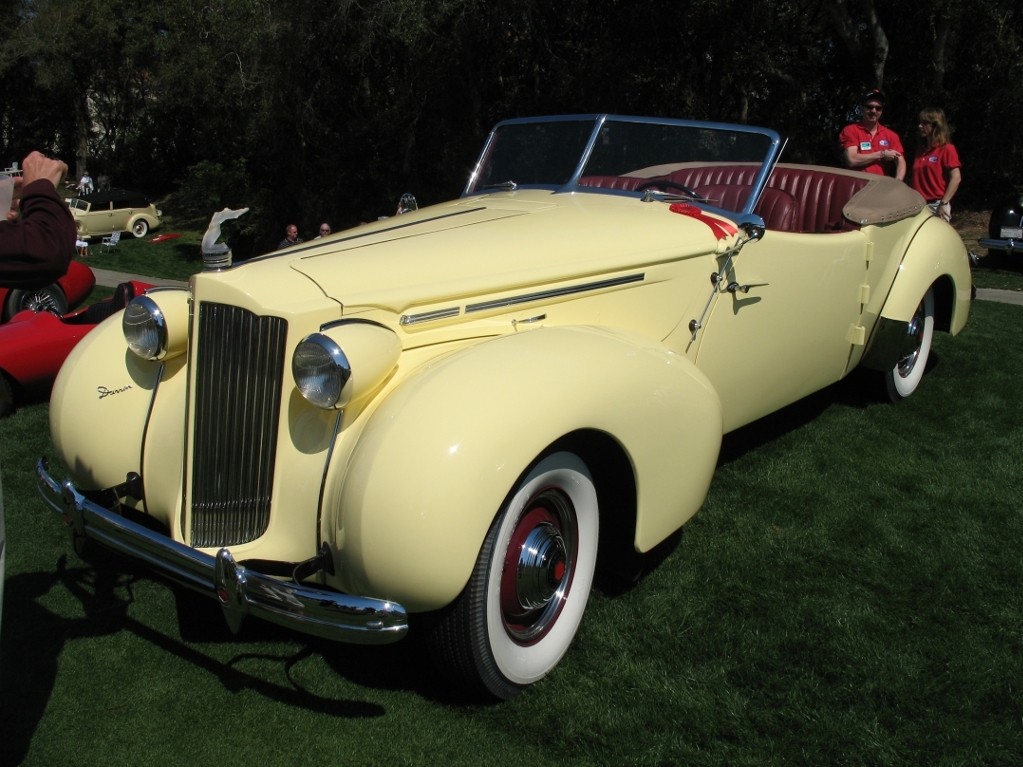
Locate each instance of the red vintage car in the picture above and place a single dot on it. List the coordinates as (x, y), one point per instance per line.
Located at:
(60, 296)
(36, 341)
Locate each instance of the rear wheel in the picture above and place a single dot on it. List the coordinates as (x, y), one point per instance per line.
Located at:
(525, 599)
(904, 378)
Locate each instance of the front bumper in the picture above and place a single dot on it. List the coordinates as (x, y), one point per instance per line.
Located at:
(1010, 246)
(240, 590)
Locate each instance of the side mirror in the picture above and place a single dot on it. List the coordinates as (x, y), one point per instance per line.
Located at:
(753, 227)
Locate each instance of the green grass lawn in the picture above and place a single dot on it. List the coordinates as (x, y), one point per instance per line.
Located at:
(175, 259)
(848, 595)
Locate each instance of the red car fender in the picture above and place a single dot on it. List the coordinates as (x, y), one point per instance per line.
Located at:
(34, 345)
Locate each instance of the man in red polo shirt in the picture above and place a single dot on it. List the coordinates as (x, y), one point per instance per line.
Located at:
(868, 145)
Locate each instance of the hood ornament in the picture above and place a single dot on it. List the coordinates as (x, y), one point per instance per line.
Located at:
(217, 255)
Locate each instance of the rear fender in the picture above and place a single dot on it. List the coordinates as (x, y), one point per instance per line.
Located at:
(937, 259)
(439, 456)
(936, 254)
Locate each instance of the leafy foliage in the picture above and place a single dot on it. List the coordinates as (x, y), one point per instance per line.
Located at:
(335, 110)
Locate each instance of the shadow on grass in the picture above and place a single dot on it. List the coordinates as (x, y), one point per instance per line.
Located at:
(32, 647)
(859, 390)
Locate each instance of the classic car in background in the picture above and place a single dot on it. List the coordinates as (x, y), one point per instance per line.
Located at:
(60, 296)
(35, 343)
(462, 412)
(115, 210)
(1005, 229)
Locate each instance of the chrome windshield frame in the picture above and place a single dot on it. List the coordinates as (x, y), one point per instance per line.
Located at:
(774, 147)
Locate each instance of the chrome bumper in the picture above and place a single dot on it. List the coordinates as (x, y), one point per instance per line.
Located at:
(241, 591)
(1010, 246)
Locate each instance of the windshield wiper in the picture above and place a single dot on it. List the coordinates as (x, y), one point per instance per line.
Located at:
(651, 195)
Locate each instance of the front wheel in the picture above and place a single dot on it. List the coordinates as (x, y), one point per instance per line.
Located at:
(140, 228)
(525, 599)
(904, 378)
(46, 299)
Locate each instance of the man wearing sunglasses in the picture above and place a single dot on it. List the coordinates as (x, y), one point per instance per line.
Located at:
(868, 145)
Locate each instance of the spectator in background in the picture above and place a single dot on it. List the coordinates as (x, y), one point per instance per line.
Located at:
(37, 239)
(85, 185)
(324, 231)
(291, 237)
(936, 167)
(868, 145)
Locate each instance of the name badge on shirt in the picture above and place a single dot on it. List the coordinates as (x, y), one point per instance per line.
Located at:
(865, 146)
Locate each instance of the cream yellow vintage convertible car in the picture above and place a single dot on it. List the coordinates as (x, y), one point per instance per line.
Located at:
(460, 413)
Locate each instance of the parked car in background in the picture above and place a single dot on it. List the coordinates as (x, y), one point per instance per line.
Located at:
(60, 296)
(1005, 229)
(35, 343)
(464, 411)
(114, 210)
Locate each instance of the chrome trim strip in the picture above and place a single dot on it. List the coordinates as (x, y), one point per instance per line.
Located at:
(323, 477)
(240, 590)
(500, 303)
(145, 427)
(554, 293)
(437, 314)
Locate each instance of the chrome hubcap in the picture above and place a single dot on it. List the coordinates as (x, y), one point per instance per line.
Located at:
(538, 566)
(541, 567)
(40, 302)
(911, 348)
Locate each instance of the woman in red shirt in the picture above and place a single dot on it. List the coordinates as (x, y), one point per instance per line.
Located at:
(936, 167)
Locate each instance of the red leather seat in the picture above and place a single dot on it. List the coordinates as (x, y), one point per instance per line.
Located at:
(777, 208)
(797, 198)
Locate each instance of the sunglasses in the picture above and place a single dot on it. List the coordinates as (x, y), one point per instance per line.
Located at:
(872, 108)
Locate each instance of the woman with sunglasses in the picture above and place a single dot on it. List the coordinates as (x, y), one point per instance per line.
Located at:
(868, 145)
(936, 167)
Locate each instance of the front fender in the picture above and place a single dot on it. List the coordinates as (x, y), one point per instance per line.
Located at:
(439, 456)
(102, 409)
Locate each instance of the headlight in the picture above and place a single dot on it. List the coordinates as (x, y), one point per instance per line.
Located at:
(344, 363)
(156, 330)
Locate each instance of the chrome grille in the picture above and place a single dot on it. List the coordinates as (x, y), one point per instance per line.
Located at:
(239, 368)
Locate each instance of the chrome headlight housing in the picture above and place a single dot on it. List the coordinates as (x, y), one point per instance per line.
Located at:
(344, 362)
(157, 328)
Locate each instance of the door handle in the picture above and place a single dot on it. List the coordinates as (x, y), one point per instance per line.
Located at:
(735, 287)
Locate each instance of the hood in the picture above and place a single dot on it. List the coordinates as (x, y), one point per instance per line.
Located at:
(490, 243)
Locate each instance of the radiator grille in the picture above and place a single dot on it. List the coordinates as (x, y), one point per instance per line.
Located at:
(239, 367)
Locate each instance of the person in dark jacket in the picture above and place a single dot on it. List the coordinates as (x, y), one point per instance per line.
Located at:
(37, 239)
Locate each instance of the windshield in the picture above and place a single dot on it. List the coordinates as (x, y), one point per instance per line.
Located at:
(616, 154)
